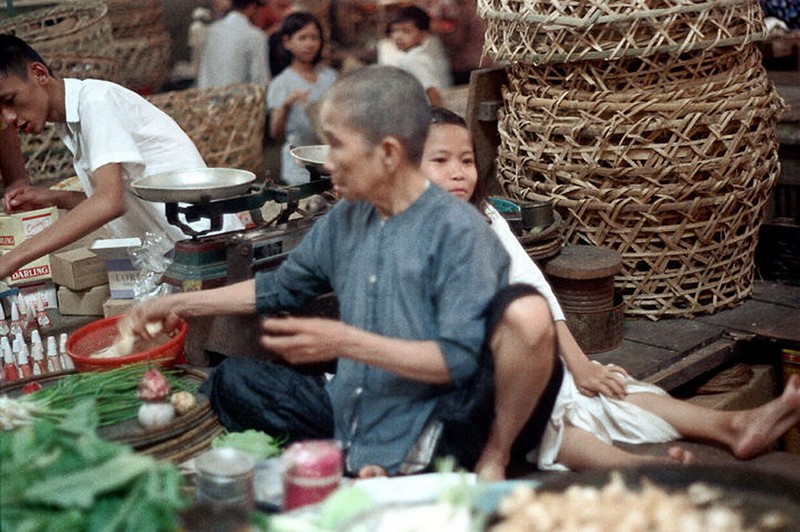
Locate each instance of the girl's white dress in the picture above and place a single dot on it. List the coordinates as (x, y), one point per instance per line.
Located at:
(611, 420)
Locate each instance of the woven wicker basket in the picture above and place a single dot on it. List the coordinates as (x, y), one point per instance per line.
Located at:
(76, 27)
(136, 20)
(544, 31)
(145, 59)
(83, 67)
(46, 157)
(676, 144)
(675, 177)
(225, 123)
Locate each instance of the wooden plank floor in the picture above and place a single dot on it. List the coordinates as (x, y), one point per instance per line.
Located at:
(672, 352)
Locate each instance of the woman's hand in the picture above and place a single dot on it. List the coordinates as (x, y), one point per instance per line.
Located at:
(295, 97)
(593, 379)
(303, 340)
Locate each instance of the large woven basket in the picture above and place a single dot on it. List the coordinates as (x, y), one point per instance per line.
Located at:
(675, 176)
(134, 19)
(83, 67)
(675, 144)
(70, 27)
(145, 59)
(47, 159)
(547, 31)
(225, 123)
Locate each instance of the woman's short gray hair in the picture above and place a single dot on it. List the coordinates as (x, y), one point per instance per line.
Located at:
(382, 101)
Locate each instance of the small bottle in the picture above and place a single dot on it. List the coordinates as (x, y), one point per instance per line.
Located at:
(38, 363)
(4, 328)
(66, 361)
(25, 315)
(53, 360)
(9, 366)
(23, 361)
(42, 320)
(16, 327)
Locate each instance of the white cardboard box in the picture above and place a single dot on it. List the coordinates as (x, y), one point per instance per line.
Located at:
(122, 275)
(14, 229)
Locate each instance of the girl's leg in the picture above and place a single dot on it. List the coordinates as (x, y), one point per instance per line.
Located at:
(523, 347)
(582, 450)
(747, 433)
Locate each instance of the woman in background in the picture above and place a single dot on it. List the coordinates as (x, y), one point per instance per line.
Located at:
(293, 91)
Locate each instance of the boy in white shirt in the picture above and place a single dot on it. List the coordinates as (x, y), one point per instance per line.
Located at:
(417, 52)
(115, 136)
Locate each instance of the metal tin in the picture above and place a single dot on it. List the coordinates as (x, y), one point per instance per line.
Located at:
(225, 476)
(313, 470)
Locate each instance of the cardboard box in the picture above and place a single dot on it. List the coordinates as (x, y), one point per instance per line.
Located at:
(122, 275)
(14, 229)
(112, 306)
(78, 269)
(87, 302)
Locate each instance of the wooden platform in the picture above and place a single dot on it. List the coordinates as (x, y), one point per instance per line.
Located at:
(671, 353)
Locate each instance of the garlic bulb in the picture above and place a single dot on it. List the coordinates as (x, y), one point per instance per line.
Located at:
(154, 415)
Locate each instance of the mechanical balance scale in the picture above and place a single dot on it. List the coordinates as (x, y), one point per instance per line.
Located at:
(206, 260)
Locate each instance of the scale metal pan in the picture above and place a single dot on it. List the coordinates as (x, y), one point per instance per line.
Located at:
(311, 156)
(194, 186)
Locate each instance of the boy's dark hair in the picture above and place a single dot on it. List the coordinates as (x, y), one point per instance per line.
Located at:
(445, 117)
(416, 15)
(16, 55)
(241, 4)
(293, 23)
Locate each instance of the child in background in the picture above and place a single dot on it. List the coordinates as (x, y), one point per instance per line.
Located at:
(416, 51)
(599, 405)
(295, 88)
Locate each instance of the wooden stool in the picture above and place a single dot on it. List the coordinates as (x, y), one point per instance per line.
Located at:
(583, 279)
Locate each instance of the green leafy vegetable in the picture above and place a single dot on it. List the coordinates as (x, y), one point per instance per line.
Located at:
(257, 444)
(63, 477)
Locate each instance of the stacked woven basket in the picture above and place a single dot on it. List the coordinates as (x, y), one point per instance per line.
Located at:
(651, 126)
(141, 43)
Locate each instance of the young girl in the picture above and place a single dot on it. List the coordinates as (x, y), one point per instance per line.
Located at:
(297, 87)
(599, 405)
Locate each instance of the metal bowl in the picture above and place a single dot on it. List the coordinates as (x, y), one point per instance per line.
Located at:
(194, 186)
(310, 156)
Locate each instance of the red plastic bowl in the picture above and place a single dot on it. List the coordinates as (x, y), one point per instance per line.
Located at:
(101, 333)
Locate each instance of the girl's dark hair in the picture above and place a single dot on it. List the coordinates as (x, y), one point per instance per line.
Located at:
(16, 55)
(445, 117)
(293, 23)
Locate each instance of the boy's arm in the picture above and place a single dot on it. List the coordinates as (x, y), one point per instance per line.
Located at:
(106, 204)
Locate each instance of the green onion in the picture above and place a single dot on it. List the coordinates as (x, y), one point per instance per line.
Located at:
(114, 392)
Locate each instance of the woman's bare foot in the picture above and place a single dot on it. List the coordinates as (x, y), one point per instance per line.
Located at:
(372, 471)
(757, 429)
(680, 455)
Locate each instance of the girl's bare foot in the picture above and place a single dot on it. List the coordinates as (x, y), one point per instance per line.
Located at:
(757, 429)
(491, 466)
(372, 471)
